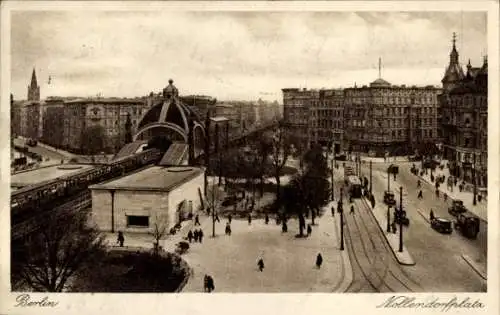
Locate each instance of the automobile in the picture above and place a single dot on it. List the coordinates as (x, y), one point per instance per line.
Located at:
(340, 157)
(442, 225)
(468, 225)
(457, 207)
(389, 198)
(401, 218)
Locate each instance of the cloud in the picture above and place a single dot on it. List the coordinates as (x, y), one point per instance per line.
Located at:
(234, 54)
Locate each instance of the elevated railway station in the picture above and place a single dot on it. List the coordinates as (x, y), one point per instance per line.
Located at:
(170, 134)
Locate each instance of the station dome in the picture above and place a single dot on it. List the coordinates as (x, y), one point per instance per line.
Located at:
(170, 117)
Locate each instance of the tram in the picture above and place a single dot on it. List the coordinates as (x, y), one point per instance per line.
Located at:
(354, 186)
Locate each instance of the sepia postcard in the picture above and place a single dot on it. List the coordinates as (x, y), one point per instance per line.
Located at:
(257, 157)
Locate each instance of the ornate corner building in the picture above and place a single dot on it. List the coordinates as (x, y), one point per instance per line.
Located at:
(464, 119)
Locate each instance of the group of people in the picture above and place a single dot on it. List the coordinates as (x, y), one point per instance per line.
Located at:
(197, 236)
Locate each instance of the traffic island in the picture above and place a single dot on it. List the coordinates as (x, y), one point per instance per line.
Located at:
(380, 214)
(347, 273)
(480, 270)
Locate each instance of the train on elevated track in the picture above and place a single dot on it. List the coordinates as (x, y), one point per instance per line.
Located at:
(50, 193)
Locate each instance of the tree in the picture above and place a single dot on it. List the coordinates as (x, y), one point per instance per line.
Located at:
(128, 129)
(159, 231)
(281, 143)
(93, 140)
(263, 151)
(214, 200)
(309, 190)
(49, 258)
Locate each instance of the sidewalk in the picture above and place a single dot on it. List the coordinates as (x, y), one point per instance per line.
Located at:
(231, 260)
(480, 209)
(380, 214)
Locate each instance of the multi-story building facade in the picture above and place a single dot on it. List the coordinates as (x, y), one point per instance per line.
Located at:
(327, 119)
(384, 118)
(464, 122)
(110, 114)
(296, 111)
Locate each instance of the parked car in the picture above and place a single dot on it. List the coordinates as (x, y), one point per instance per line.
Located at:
(389, 198)
(442, 225)
(340, 157)
(457, 207)
(401, 218)
(468, 224)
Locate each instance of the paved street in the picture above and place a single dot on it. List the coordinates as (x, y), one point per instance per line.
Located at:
(439, 262)
(53, 155)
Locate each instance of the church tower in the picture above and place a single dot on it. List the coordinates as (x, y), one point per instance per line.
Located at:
(33, 88)
(454, 73)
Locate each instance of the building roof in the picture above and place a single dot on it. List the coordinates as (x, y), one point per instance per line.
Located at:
(380, 83)
(154, 178)
(108, 100)
(43, 174)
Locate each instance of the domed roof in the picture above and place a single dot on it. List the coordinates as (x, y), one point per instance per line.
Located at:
(170, 111)
(380, 83)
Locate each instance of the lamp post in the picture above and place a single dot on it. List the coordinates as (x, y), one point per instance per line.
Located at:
(370, 177)
(474, 201)
(388, 219)
(333, 190)
(401, 219)
(341, 219)
(388, 180)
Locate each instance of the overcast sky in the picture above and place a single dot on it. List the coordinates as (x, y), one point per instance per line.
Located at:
(234, 55)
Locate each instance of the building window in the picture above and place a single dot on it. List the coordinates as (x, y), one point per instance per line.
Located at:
(137, 220)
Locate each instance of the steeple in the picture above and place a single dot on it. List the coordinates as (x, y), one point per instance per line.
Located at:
(454, 53)
(33, 88)
(454, 72)
(379, 68)
(33, 78)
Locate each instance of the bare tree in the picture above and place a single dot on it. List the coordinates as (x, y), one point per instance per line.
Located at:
(160, 226)
(49, 258)
(214, 200)
(281, 148)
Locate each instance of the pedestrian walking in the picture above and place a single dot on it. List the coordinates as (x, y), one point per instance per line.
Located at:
(333, 211)
(394, 227)
(217, 217)
(418, 183)
(200, 235)
(228, 229)
(249, 218)
(210, 284)
(319, 260)
(432, 215)
(309, 230)
(190, 236)
(437, 192)
(284, 227)
(266, 219)
(260, 264)
(120, 239)
(229, 218)
(197, 220)
(196, 236)
(352, 209)
(420, 196)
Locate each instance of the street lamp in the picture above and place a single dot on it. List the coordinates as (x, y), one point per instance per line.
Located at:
(370, 177)
(333, 190)
(401, 219)
(388, 218)
(341, 219)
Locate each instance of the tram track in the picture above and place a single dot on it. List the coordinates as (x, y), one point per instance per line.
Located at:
(373, 259)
